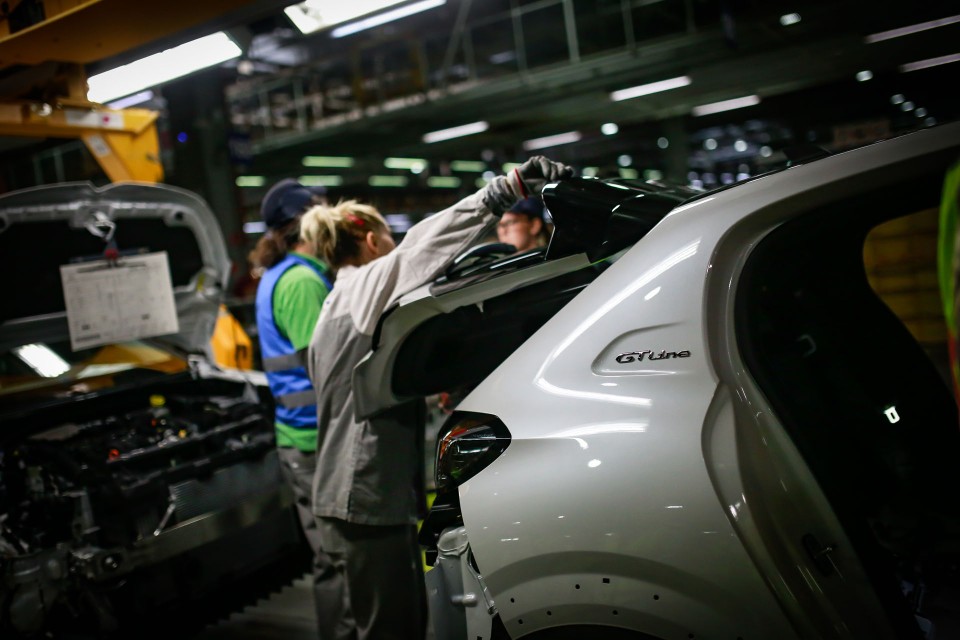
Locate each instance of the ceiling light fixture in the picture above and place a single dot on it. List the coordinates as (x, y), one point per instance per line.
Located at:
(383, 18)
(320, 181)
(469, 166)
(863, 76)
(130, 101)
(609, 128)
(314, 15)
(647, 89)
(443, 182)
(257, 226)
(725, 105)
(162, 67)
(411, 164)
(788, 19)
(915, 28)
(929, 62)
(456, 132)
(551, 141)
(328, 162)
(387, 181)
(251, 181)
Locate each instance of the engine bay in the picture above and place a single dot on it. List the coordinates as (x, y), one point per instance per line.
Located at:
(108, 517)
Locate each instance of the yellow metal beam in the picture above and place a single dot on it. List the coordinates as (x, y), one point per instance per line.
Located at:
(86, 31)
(124, 143)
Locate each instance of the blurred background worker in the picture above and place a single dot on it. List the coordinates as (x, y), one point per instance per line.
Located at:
(522, 225)
(948, 264)
(368, 485)
(291, 292)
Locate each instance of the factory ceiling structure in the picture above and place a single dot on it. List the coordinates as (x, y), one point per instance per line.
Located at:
(457, 87)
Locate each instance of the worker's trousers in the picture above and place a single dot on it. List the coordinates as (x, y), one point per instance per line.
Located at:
(382, 570)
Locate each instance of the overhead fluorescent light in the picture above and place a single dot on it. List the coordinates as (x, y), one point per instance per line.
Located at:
(257, 226)
(162, 67)
(415, 165)
(303, 19)
(788, 19)
(129, 101)
(915, 28)
(443, 182)
(647, 89)
(328, 162)
(509, 166)
(42, 359)
(725, 105)
(551, 141)
(471, 166)
(456, 132)
(628, 174)
(398, 222)
(387, 181)
(251, 181)
(929, 62)
(314, 15)
(320, 181)
(503, 57)
(387, 16)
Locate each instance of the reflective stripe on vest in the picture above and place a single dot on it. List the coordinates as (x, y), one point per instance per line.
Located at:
(289, 361)
(298, 399)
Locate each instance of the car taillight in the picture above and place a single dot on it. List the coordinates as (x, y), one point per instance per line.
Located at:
(467, 443)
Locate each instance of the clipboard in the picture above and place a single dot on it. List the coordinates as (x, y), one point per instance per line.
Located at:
(110, 300)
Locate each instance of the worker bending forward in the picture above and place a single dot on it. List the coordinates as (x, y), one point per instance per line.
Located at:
(365, 486)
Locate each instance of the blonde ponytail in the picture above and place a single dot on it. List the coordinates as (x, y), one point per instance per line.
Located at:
(336, 232)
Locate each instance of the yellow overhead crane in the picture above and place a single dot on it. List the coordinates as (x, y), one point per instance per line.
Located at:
(43, 93)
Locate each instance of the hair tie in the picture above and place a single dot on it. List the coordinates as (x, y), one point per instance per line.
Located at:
(354, 219)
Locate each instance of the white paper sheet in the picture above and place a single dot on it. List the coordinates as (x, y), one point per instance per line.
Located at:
(128, 301)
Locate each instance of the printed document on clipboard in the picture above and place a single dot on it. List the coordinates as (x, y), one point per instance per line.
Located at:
(116, 302)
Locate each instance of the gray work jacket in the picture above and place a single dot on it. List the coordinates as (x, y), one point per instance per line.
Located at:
(366, 469)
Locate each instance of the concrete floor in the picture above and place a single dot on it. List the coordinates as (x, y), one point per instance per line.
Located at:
(288, 615)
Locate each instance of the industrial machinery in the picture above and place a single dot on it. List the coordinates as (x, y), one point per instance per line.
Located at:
(140, 490)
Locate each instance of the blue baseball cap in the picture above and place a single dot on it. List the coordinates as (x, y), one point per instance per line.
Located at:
(531, 206)
(286, 200)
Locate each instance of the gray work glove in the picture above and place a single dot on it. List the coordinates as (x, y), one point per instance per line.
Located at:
(526, 180)
(538, 171)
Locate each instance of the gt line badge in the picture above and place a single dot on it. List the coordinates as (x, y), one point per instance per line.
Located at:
(638, 356)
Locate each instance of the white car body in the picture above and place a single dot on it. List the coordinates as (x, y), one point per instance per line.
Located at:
(664, 498)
